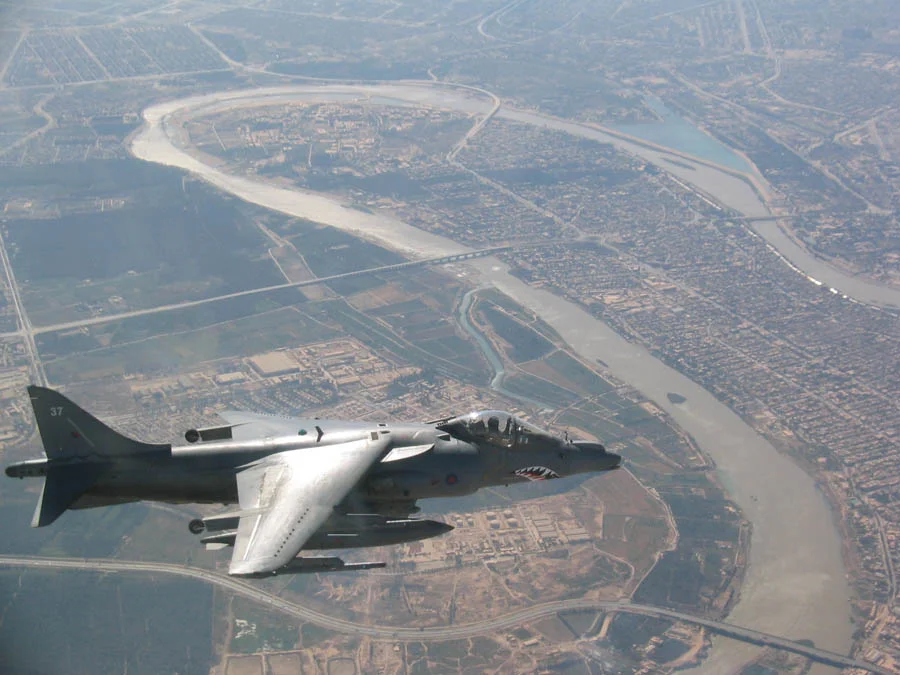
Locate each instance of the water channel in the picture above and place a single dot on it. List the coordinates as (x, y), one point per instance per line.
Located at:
(795, 584)
(487, 349)
(736, 191)
(675, 132)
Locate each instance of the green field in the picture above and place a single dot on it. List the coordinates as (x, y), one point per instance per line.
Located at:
(376, 335)
(92, 533)
(56, 344)
(83, 623)
(257, 629)
(524, 343)
(512, 307)
(163, 240)
(576, 373)
(329, 251)
(533, 387)
(178, 351)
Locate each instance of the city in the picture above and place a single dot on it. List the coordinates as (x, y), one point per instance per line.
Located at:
(716, 184)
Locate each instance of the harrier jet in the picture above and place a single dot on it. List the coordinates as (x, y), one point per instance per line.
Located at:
(300, 484)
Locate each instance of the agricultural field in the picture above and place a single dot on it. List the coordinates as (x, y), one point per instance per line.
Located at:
(95, 54)
(129, 618)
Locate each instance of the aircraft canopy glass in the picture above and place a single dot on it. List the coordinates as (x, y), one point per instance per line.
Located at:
(494, 427)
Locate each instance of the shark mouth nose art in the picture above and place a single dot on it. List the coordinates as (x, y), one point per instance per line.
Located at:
(536, 473)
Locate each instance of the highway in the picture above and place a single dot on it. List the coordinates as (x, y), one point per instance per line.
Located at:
(38, 376)
(31, 331)
(461, 631)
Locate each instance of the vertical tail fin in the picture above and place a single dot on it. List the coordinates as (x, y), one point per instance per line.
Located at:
(68, 432)
(79, 447)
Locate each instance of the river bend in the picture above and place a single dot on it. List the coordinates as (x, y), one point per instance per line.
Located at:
(795, 584)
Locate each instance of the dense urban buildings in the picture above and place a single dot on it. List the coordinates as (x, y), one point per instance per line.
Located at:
(716, 183)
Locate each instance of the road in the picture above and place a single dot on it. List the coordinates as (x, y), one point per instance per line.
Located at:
(496, 15)
(49, 123)
(30, 331)
(477, 127)
(786, 585)
(38, 376)
(461, 631)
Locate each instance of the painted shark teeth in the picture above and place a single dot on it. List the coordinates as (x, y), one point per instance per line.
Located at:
(536, 473)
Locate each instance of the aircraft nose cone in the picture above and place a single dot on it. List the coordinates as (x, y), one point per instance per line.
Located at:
(594, 457)
(443, 528)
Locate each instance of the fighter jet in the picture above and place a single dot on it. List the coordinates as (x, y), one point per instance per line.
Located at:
(300, 484)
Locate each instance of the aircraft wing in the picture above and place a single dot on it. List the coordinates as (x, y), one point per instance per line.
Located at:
(247, 426)
(286, 497)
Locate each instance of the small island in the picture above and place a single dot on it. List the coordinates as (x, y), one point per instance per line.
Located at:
(677, 399)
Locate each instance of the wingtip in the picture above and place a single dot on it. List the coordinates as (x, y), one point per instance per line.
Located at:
(248, 568)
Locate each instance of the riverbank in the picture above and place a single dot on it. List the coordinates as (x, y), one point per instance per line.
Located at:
(795, 583)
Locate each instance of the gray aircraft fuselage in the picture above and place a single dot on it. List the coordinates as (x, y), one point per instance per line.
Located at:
(89, 465)
(204, 472)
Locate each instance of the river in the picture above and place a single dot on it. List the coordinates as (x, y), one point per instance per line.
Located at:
(736, 191)
(795, 584)
(487, 349)
(675, 132)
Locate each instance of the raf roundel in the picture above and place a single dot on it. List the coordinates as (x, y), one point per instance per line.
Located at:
(451, 479)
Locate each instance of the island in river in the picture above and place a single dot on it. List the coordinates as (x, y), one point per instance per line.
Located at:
(790, 589)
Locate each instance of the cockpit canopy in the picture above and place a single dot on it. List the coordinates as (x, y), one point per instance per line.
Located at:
(494, 427)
